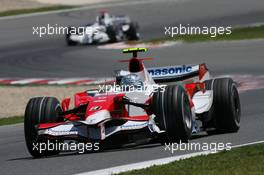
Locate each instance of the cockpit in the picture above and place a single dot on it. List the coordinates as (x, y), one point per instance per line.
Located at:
(103, 18)
(131, 81)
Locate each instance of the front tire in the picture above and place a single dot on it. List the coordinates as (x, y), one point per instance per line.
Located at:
(40, 110)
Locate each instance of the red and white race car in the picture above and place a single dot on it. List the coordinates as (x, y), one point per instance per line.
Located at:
(164, 104)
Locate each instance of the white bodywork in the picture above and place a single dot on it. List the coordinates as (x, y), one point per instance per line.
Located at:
(203, 101)
(94, 33)
(97, 32)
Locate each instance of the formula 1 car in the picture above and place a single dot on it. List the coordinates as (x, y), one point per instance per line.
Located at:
(162, 104)
(106, 29)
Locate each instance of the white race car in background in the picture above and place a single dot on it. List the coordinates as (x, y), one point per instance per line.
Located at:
(106, 29)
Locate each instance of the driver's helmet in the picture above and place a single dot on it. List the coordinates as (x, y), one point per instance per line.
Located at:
(131, 80)
(102, 18)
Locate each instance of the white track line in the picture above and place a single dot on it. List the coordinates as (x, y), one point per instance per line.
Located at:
(162, 161)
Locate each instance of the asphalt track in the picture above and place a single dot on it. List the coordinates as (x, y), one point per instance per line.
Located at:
(24, 55)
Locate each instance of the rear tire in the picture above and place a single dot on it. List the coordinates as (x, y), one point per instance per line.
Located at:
(225, 109)
(173, 114)
(111, 34)
(132, 33)
(40, 110)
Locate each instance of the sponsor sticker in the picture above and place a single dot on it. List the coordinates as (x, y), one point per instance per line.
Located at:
(172, 71)
(95, 108)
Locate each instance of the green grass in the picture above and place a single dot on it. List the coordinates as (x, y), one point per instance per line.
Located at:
(239, 161)
(11, 120)
(34, 10)
(237, 34)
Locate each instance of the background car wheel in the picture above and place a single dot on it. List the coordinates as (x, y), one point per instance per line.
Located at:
(111, 34)
(69, 42)
(173, 114)
(225, 111)
(40, 110)
(132, 33)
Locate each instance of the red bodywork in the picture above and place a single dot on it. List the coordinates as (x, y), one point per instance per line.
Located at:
(112, 102)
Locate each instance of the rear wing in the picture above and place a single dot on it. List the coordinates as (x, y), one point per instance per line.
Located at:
(195, 73)
(179, 73)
